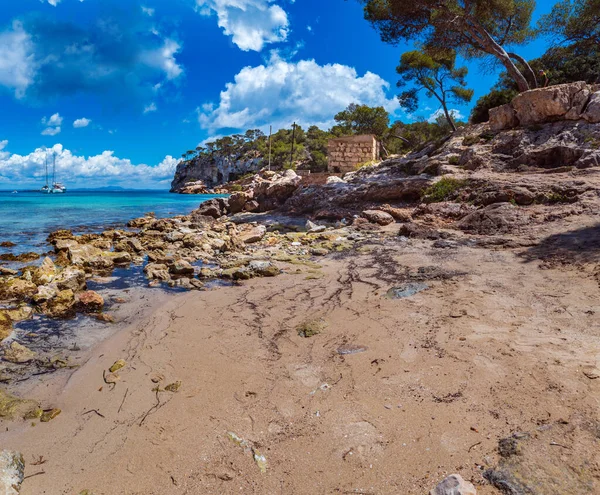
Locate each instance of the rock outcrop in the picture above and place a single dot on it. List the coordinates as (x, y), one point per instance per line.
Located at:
(206, 172)
(573, 101)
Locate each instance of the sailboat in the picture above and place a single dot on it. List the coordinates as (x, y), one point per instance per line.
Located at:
(57, 187)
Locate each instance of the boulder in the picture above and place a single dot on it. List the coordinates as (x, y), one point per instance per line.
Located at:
(214, 208)
(90, 301)
(454, 485)
(64, 244)
(313, 228)
(16, 288)
(503, 117)
(377, 216)
(5, 325)
(264, 268)
(18, 354)
(157, 271)
(181, 267)
(62, 305)
(117, 258)
(8, 271)
(251, 234)
(592, 111)
(398, 214)
(561, 102)
(238, 200)
(138, 223)
(45, 273)
(45, 293)
(12, 472)
(70, 278)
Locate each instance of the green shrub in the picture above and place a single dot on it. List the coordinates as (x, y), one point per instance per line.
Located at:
(236, 188)
(443, 189)
(454, 160)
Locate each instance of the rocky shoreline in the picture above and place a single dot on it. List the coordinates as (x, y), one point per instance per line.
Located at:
(469, 227)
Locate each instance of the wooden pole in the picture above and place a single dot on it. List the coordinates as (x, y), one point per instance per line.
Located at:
(270, 131)
(293, 138)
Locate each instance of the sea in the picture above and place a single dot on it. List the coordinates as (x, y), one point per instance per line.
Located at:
(26, 218)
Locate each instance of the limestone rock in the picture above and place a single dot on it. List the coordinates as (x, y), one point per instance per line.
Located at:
(5, 325)
(12, 472)
(90, 301)
(499, 218)
(503, 117)
(564, 101)
(18, 354)
(214, 208)
(238, 200)
(12, 407)
(61, 306)
(251, 234)
(8, 271)
(454, 485)
(592, 112)
(45, 293)
(70, 278)
(45, 273)
(16, 288)
(157, 271)
(264, 268)
(181, 267)
(379, 217)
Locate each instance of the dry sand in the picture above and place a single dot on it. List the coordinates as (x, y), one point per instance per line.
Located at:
(498, 344)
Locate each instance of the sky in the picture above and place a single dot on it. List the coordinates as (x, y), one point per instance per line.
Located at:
(117, 90)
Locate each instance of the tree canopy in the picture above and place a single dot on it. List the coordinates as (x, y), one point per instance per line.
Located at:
(362, 119)
(574, 21)
(474, 28)
(435, 73)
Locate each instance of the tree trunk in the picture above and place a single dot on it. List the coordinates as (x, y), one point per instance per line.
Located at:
(489, 45)
(521, 60)
(448, 117)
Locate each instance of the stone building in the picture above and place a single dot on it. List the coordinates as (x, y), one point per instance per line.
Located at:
(345, 153)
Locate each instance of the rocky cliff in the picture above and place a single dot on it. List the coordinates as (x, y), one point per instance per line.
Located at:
(213, 170)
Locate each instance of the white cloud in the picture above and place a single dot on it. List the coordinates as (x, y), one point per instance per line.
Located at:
(281, 92)
(456, 114)
(54, 3)
(54, 120)
(163, 58)
(148, 11)
(101, 169)
(52, 125)
(81, 123)
(51, 131)
(150, 108)
(251, 23)
(17, 64)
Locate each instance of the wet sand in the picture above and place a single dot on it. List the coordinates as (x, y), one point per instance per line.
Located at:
(390, 397)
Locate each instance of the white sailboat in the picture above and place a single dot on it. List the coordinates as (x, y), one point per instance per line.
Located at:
(57, 187)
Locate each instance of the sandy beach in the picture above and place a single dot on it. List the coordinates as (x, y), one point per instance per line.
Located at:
(391, 396)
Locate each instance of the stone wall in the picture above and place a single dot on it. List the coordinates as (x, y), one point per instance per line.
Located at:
(344, 154)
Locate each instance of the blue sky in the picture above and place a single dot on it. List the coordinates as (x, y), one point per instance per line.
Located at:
(119, 89)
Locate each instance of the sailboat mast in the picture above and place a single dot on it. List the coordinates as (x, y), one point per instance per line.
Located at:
(46, 161)
(53, 169)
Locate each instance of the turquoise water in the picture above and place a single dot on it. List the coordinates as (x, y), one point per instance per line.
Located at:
(26, 218)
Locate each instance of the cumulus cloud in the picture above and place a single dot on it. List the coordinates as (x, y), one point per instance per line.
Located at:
(72, 169)
(54, 3)
(251, 23)
(52, 125)
(81, 123)
(125, 55)
(281, 92)
(17, 64)
(148, 11)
